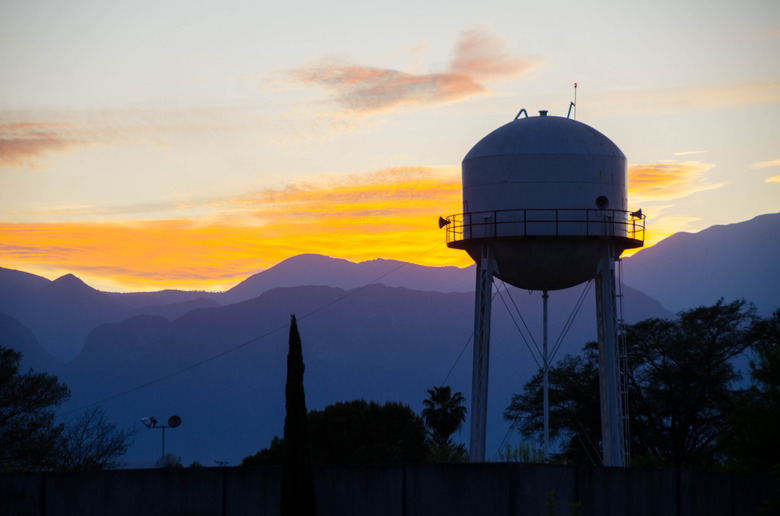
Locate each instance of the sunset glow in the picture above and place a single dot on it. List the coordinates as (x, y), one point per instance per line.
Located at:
(195, 147)
(391, 214)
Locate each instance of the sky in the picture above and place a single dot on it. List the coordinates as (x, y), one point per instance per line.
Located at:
(189, 144)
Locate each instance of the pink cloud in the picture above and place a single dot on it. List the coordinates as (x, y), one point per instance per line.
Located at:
(479, 57)
(22, 142)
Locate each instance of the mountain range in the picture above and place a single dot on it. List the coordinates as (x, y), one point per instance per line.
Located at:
(380, 330)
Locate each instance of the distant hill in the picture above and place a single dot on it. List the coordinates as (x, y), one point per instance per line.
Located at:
(16, 336)
(682, 271)
(732, 261)
(314, 269)
(59, 313)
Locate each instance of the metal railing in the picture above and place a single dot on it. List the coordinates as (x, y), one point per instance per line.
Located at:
(626, 226)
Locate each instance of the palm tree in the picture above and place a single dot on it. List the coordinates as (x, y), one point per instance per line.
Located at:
(444, 413)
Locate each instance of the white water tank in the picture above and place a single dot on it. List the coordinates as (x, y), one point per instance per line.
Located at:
(549, 195)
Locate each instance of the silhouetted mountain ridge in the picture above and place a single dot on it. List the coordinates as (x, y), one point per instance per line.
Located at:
(695, 269)
(375, 342)
(314, 269)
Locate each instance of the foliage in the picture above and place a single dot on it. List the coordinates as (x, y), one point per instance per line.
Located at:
(752, 441)
(549, 503)
(361, 432)
(358, 432)
(28, 432)
(298, 497)
(448, 452)
(169, 460)
(574, 407)
(91, 442)
(31, 440)
(274, 454)
(443, 413)
(682, 375)
(681, 390)
(522, 452)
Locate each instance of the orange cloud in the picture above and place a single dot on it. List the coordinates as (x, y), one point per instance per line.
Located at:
(389, 214)
(773, 179)
(666, 181)
(479, 57)
(766, 164)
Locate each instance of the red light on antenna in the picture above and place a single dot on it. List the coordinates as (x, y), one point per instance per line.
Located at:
(575, 84)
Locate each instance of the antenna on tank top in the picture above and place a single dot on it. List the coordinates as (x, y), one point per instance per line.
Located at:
(573, 104)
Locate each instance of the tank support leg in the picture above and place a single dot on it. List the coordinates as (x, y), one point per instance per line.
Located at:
(611, 413)
(545, 379)
(479, 375)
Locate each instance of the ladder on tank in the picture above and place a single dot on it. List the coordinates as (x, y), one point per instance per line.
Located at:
(623, 361)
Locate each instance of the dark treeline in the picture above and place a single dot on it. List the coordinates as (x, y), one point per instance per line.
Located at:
(31, 439)
(689, 407)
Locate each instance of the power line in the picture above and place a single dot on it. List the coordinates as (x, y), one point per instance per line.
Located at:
(246, 343)
(571, 318)
(511, 315)
(530, 335)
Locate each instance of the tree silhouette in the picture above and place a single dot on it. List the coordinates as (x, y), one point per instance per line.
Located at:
(298, 497)
(444, 413)
(752, 440)
(91, 442)
(357, 432)
(29, 436)
(681, 390)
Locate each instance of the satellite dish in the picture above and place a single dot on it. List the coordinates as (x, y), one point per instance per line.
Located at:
(174, 421)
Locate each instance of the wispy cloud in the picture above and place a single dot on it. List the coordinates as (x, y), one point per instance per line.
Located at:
(688, 153)
(667, 181)
(23, 143)
(656, 186)
(767, 164)
(479, 57)
(29, 138)
(690, 97)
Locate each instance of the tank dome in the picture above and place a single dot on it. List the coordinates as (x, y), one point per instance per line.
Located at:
(544, 162)
(548, 193)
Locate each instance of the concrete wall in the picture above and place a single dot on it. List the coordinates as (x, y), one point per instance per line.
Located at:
(392, 490)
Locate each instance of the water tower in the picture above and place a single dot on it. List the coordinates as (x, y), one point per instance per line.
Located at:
(545, 208)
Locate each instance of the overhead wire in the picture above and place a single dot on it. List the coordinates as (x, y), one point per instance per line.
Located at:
(511, 315)
(558, 342)
(570, 320)
(521, 319)
(245, 343)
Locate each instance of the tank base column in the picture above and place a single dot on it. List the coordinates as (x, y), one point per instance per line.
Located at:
(479, 375)
(611, 413)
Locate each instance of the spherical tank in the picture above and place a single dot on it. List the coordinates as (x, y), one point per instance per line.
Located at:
(549, 195)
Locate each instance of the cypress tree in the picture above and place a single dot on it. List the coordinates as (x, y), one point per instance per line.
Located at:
(297, 474)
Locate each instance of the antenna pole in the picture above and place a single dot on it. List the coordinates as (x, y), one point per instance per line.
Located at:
(575, 101)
